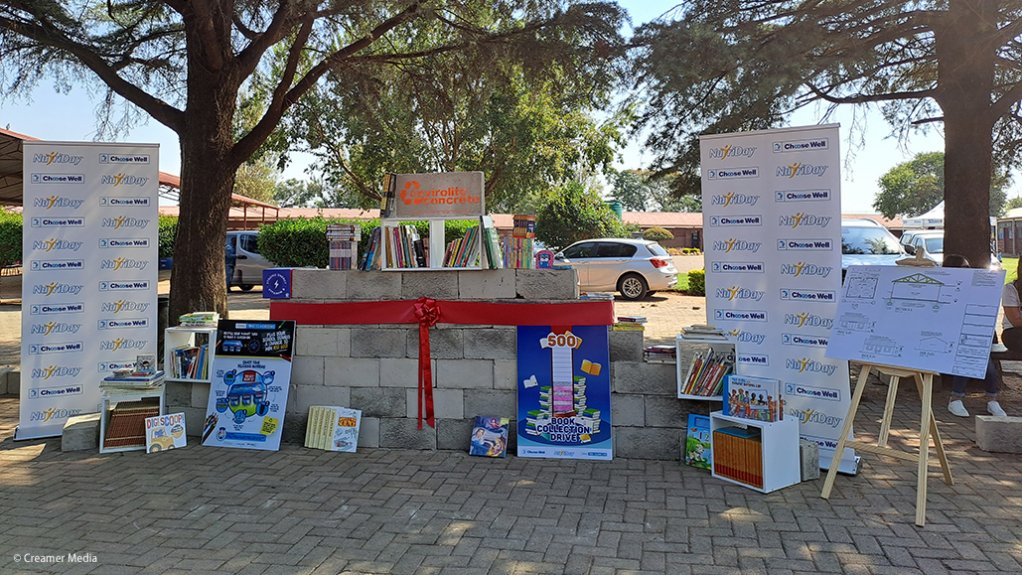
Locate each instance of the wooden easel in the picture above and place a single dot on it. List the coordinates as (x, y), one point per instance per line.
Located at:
(927, 426)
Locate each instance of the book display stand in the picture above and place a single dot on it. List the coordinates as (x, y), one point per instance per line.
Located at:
(124, 406)
(927, 427)
(760, 455)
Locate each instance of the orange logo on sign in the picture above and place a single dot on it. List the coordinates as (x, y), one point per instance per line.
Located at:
(413, 193)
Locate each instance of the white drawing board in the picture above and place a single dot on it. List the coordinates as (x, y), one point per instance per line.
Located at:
(929, 319)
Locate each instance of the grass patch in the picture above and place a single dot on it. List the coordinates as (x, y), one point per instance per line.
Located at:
(682, 285)
(1011, 266)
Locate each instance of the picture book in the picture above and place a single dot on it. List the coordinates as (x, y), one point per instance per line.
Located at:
(757, 398)
(333, 428)
(697, 444)
(165, 432)
(145, 364)
(489, 436)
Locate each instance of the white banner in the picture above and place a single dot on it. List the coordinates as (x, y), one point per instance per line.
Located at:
(772, 228)
(89, 254)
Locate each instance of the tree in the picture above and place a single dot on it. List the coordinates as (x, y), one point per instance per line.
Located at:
(522, 118)
(185, 63)
(575, 212)
(640, 190)
(728, 65)
(1013, 203)
(256, 179)
(917, 186)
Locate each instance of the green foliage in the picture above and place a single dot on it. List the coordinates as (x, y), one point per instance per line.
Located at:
(10, 238)
(574, 212)
(656, 233)
(1010, 266)
(168, 235)
(697, 282)
(691, 251)
(1012, 203)
(917, 186)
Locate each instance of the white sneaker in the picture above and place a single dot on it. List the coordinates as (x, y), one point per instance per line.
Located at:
(994, 408)
(956, 407)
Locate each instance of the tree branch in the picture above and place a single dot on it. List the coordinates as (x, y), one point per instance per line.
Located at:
(249, 58)
(212, 50)
(868, 98)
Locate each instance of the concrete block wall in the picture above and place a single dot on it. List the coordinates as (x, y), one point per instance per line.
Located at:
(375, 367)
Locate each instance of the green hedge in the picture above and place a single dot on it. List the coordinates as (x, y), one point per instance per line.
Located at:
(656, 234)
(168, 235)
(10, 238)
(301, 242)
(697, 282)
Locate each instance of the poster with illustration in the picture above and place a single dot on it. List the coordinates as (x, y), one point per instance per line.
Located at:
(250, 379)
(165, 432)
(564, 392)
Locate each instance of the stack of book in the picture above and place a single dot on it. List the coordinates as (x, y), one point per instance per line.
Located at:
(660, 353)
(629, 323)
(738, 455)
(127, 423)
(518, 249)
(491, 243)
(405, 249)
(333, 428)
(706, 373)
(464, 251)
(342, 240)
(190, 362)
(199, 319)
(132, 380)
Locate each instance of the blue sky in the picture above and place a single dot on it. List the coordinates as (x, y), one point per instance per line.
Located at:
(71, 117)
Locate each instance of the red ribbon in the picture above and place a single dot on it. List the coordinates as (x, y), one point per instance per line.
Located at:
(428, 312)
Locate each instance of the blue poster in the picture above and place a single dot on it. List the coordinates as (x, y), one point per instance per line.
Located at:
(564, 392)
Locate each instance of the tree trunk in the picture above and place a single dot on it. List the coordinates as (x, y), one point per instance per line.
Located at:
(965, 83)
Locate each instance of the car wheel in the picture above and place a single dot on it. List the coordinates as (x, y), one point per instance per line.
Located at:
(632, 287)
(246, 287)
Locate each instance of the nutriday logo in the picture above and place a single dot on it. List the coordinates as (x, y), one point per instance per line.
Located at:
(808, 320)
(54, 201)
(804, 220)
(124, 305)
(733, 199)
(803, 269)
(809, 366)
(798, 169)
(121, 179)
(58, 244)
(55, 328)
(56, 288)
(735, 245)
(732, 151)
(125, 222)
(122, 343)
(739, 293)
(52, 158)
(746, 336)
(54, 371)
(122, 263)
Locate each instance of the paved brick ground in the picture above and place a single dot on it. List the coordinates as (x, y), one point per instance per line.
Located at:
(205, 510)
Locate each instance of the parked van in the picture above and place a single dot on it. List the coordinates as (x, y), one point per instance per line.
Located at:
(248, 270)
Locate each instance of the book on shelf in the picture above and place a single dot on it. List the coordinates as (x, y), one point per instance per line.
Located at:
(756, 398)
(698, 452)
(518, 253)
(489, 436)
(707, 372)
(333, 428)
(342, 242)
(389, 195)
(190, 362)
(464, 251)
(199, 319)
(738, 455)
(491, 243)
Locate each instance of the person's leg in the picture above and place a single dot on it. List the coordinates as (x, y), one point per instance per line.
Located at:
(992, 384)
(955, 404)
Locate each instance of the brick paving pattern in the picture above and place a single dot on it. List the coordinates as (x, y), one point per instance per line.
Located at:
(301, 511)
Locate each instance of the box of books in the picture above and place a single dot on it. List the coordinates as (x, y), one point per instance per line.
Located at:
(697, 443)
(757, 398)
(489, 436)
(333, 428)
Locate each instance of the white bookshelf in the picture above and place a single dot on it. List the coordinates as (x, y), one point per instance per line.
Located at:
(178, 336)
(687, 346)
(779, 450)
(437, 244)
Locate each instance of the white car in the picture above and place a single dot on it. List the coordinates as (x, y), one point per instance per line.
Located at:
(633, 267)
(933, 242)
(248, 269)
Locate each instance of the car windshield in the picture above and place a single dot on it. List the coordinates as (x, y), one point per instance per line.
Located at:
(868, 240)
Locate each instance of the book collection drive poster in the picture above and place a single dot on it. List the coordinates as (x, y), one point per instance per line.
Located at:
(249, 384)
(89, 252)
(564, 392)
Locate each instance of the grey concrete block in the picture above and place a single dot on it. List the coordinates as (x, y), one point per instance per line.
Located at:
(308, 395)
(444, 343)
(464, 373)
(647, 442)
(195, 419)
(177, 393)
(200, 394)
(447, 403)
(378, 342)
(487, 284)
(323, 341)
(13, 379)
(294, 428)
(546, 284)
(999, 434)
(628, 410)
(501, 403)
(402, 372)
(307, 370)
(291, 407)
(351, 372)
(626, 345)
(80, 432)
(374, 285)
(454, 434)
(317, 284)
(809, 459)
(497, 342)
(369, 432)
(644, 378)
(665, 412)
(505, 374)
(437, 285)
(403, 433)
(379, 401)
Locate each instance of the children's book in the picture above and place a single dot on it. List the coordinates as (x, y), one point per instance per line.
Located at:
(697, 443)
(165, 432)
(145, 364)
(757, 398)
(489, 436)
(333, 428)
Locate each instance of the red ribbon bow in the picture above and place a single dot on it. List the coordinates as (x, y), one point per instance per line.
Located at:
(427, 312)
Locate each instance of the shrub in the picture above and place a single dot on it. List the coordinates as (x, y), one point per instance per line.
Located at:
(691, 251)
(656, 233)
(168, 235)
(10, 238)
(697, 282)
(574, 212)
(676, 251)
